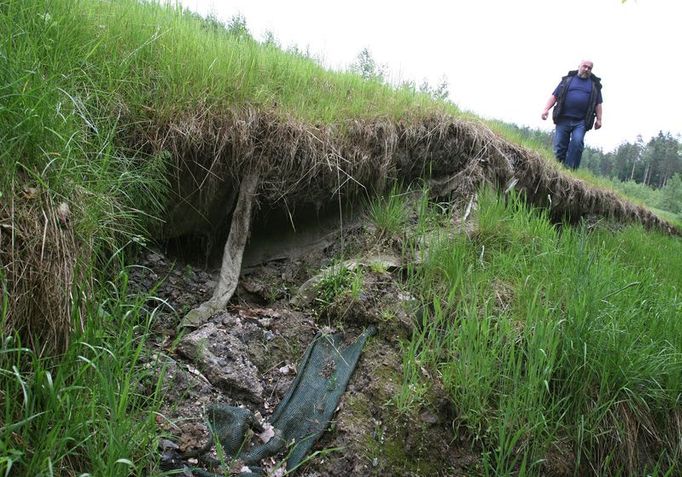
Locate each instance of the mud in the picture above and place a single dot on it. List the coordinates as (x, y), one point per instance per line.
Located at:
(247, 355)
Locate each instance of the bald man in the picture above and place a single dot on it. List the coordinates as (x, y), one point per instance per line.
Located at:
(577, 104)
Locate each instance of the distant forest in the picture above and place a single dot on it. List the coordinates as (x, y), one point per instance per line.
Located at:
(649, 171)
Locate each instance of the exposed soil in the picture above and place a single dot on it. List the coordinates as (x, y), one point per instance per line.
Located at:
(248, 354)
(302, 168)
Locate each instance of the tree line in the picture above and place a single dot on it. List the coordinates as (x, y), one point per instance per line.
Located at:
(653, 163)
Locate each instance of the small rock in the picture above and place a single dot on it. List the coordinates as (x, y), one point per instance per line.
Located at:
(154, 257)
(224, 360)
(429, 418)
(267, 434)
(165, 444)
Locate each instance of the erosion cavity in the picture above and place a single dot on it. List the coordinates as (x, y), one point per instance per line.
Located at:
(276, 234)
(253, 161)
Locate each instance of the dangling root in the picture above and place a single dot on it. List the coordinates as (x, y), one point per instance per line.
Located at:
(232, 256)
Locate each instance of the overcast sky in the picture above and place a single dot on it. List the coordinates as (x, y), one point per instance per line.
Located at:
(501, 58)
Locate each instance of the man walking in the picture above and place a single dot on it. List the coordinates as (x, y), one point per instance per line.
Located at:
(577, 107)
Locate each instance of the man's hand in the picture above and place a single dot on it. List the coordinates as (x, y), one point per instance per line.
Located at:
(597, 123)
(550, 103)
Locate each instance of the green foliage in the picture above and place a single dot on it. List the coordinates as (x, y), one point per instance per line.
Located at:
(671, 195)
(637, 192)
(651, 164)
(668, 198)
(367, 67)
(91, 410)
(237, 27)
(546, 339)
(439, 93)
(339, 280)
(389, 214)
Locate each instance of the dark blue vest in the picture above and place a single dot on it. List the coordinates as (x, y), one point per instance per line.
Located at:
(574, 101)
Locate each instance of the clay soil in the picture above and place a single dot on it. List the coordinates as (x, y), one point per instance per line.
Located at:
(261, 337)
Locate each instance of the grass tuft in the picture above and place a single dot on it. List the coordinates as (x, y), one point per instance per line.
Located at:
(89, 410)
(574, 360)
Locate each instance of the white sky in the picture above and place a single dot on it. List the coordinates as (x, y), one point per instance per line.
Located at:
(501, 58)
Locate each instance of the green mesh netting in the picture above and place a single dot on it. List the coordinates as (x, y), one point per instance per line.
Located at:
(304, 412)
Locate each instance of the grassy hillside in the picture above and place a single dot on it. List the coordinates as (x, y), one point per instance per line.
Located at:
(81, 80)
(113, 113)
(558, 348)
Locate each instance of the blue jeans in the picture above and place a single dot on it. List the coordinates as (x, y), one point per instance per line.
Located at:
(569, 141)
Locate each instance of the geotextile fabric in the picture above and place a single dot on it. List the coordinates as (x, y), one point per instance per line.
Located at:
(306, 409)
(303, 414)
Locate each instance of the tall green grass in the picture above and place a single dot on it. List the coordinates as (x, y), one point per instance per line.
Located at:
(579, 333)
(78, 77)
(389, 213)
(72, 68)
(60, 120)
(554, 344)
(90, 411)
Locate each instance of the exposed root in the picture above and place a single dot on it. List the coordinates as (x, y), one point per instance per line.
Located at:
(295, 165)
(302, 164)
(232, 256)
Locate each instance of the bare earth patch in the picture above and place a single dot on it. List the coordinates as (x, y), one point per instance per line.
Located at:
(248, 355)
